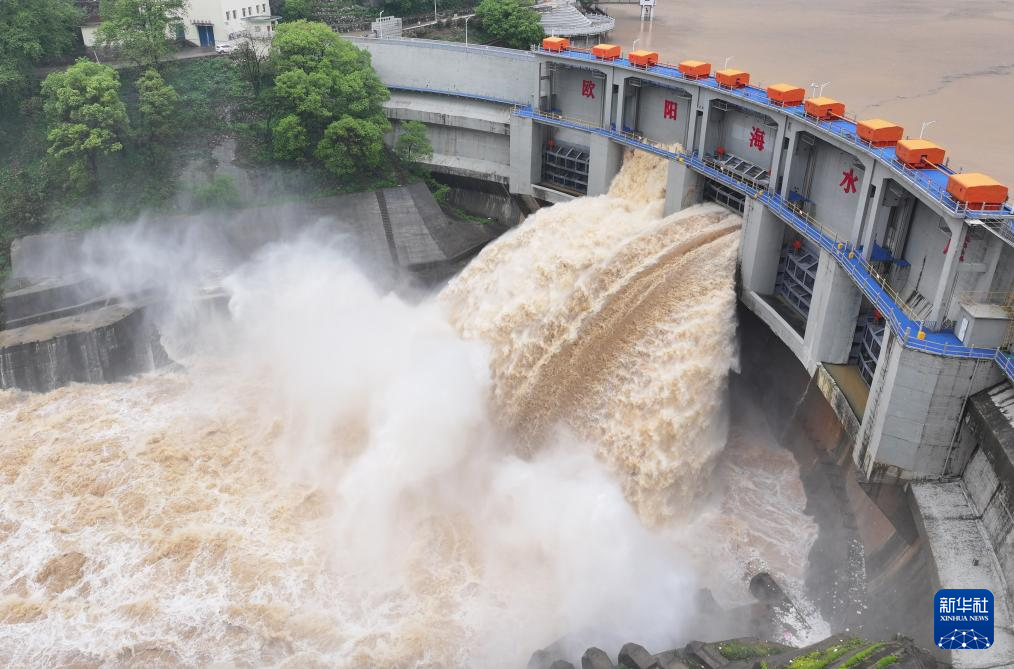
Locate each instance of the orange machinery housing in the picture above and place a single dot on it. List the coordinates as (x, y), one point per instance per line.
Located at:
(606, 51)
(786, 95)
(732, 78)
(643, 58)
(919, 153)
(556, 44)
(879, 132)
(977, 191)
(826, 109)
(695, 69)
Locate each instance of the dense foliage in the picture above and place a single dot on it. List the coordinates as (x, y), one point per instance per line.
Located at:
(512, 22)
(86, 117)
(29, 33)
(329, 99)
(140, 29)
(157, 103)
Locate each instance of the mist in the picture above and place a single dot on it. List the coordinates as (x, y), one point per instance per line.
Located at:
(342, 470)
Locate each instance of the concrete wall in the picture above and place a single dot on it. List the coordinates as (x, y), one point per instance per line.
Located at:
(924, 249)
(505, 74)
(579, 94)
(465, 152)
(911, 421)
(988, 436)
(646, 114)
(818, 176)
(732, 129)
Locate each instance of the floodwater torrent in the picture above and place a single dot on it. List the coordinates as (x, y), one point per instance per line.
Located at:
(336, 476)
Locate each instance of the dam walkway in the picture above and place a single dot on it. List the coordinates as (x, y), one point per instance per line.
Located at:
(909, 330)
(932, 182)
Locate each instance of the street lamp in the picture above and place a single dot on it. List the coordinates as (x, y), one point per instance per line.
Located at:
(726, 66)
(633, 47)
(467, 19)
(924, 126)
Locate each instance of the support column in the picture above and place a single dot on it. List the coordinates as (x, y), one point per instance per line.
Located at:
(777, 160)
(864, 202)
(683, 188)
(950, 271)
(760, 248)
(834, 310)
(526, 155)
(605, 157)
(868, 223)
(695, 100)
(991, 261)
(789, 153)
(699, 141)
(607, 104)
(915, 403)
(621, 101)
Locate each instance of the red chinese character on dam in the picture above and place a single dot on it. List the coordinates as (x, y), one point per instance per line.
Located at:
(588, 88)
(757, 138)
(848, 181)
(669, 109)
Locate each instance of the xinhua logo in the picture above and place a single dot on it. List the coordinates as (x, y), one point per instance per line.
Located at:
(963, 619)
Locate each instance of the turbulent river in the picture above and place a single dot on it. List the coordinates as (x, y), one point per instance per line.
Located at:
(336, 476)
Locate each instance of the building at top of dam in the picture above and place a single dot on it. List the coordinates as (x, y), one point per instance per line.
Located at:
(886, 273)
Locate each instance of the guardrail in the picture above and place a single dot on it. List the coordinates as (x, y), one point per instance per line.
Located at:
(899, 316)
(758, 96)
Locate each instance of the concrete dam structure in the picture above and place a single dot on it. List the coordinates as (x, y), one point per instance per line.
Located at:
(860, 251)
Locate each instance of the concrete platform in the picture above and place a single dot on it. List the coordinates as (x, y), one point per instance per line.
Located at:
(964, 558)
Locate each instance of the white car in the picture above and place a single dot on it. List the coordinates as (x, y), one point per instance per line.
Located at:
(226, 47)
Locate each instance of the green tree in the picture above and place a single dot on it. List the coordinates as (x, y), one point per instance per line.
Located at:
(324, 84)
(513, 22)
(86, 116)
(288, 138)
(351, 145)
(141, 29)
(412, 144)
(29, 32)
(158, 104)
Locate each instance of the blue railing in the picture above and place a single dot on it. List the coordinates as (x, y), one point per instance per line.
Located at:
(932, 182)
(908, 329)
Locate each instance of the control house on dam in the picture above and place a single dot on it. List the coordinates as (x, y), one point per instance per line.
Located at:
(886, 273)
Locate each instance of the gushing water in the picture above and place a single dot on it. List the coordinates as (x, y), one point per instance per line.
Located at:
(357, 481)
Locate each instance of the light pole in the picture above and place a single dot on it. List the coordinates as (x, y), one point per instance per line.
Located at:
(467, 19)
(434, 11)
(826, 83)
(726, 66)
(924, 126)
(633, 47)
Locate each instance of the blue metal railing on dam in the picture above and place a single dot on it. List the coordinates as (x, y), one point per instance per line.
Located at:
(931, 182)
(907, 328)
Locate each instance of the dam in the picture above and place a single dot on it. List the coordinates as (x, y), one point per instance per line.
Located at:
(703, 234)
(891, 293)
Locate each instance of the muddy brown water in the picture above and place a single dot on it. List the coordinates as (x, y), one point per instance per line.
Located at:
(951, 62)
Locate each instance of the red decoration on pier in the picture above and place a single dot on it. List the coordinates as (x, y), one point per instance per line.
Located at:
(588, 88)
(757, 138)
(848, 181)
(669, 109)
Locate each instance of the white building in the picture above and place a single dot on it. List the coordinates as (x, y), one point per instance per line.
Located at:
(210, 21)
